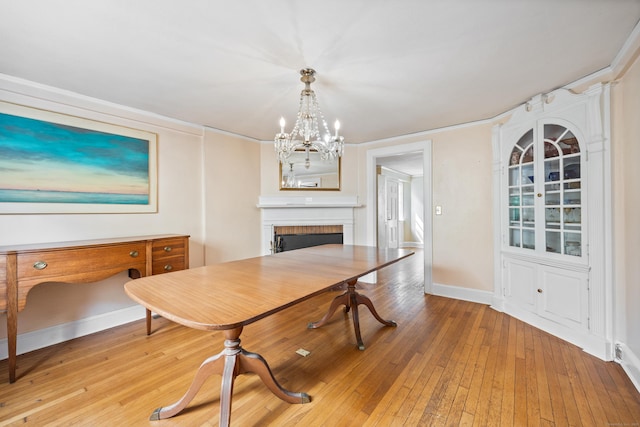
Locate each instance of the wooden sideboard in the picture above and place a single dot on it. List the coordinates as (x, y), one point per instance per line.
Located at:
(25, 266)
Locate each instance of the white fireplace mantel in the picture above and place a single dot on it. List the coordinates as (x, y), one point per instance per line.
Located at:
(301, 210)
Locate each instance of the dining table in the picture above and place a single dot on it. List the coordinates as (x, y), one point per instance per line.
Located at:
(228, 296)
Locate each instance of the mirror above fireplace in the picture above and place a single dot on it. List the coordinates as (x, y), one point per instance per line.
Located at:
(303, 174)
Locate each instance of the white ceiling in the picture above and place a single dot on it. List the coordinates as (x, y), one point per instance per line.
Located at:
(384, 68)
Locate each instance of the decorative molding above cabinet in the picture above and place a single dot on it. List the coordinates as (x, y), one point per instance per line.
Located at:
(551, 180)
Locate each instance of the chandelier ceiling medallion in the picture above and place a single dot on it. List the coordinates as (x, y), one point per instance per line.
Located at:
(306, 134)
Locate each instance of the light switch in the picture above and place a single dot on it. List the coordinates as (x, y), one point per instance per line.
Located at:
(438, 210)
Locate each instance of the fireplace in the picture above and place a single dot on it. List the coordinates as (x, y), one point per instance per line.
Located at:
(328, 219)
(291, 237)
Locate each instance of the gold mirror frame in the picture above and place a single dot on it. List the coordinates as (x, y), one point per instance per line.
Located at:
(319, 176)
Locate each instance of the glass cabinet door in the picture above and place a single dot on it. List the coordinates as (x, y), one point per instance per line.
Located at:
(521, 194)
(562, 191)
(556, 196)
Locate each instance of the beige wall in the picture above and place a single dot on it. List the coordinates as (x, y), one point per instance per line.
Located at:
(461, 183)
(231, 189)
(179, 210)
(626, 205)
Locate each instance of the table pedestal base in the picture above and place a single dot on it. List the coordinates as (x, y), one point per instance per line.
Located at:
(351, 299)
(230, 363)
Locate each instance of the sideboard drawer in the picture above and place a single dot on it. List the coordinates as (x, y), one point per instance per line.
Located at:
(167, 265)
(165, 248)
(75, 264)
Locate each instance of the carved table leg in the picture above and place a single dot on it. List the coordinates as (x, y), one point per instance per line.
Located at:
(337, 301)
(351, 299)
(230, 363)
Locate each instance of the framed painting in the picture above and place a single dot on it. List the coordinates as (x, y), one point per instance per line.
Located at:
(56, 163)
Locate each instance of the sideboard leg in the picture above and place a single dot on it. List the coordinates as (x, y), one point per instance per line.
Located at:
(12, 332)
(12, 313)
(148, 322)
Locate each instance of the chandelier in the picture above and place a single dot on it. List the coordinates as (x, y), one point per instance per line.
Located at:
(306, 134)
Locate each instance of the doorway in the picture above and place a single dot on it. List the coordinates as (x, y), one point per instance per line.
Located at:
(398, 158)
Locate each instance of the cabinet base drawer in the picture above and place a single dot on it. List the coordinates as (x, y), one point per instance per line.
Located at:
(168, 265)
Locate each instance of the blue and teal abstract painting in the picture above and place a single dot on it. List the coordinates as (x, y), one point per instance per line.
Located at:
(46, 162)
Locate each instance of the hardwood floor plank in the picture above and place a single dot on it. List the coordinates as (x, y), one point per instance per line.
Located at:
(474, 395)
(533, 405)
(520, 389)
(456, 412)
(544, 399)
(419, 415)
(578, 389)
(496, 400)
(626, 392)
(508, 385)
(593, 391)
(617, 411)
(558, 412)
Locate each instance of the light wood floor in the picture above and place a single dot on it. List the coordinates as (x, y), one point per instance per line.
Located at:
(448, 362)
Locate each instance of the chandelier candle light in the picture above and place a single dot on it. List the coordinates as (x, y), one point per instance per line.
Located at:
(306, 135)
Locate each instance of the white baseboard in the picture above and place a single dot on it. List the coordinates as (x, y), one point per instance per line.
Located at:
(631, 364)
(465, 294)
(41, 338)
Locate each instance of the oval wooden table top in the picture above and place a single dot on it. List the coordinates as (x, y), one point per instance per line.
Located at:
(234, 294)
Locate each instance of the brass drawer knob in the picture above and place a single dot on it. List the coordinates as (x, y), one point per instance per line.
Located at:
(133, 254)
(539, 291)
(168, 267)
(40, 265)
(167, 248)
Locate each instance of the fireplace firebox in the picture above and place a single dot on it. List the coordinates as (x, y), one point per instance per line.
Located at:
(288, 238)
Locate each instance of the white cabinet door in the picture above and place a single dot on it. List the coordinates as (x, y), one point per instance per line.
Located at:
(563, 296)
(521, 284)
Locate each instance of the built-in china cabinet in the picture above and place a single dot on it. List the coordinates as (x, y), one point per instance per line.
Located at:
(552, 213)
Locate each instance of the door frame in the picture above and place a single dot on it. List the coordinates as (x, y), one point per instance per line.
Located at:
(372, 204)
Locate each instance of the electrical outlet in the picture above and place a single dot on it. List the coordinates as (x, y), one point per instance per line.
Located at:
(438, 210)
(302, 352)
(618, 352)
